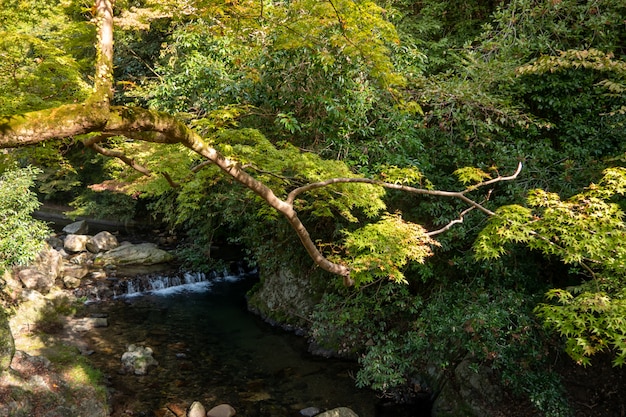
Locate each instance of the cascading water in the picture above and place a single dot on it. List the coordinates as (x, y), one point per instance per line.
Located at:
(171, 283)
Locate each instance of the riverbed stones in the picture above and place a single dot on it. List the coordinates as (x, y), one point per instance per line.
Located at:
(77, 228)
(102, 242)
(75, 243)
(222, 410)
(339, 412)
(137, 359)
(140, 254)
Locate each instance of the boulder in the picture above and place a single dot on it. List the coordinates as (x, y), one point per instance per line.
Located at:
(137, 359)
(76, 271)
(75, 243)
(222, 410)
(33, 279)
(196, 410)
(102, 242)
(141, 254)
(339, 412)
(283, 292)
(472, 393)
(49, 261)
(77, 228)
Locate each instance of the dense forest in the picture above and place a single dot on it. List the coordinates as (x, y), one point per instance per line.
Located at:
(447, 176)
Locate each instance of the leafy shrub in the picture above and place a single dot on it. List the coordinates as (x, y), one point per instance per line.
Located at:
(21, 236)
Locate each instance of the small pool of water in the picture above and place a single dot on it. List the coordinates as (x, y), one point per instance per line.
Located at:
(211, 349)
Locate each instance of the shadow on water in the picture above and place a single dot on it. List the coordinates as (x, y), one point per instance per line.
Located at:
(211, 349)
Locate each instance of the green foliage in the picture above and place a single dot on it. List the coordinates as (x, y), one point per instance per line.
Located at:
(468, 175)
(21, 236)
(590, 321)
(395, 332)
(587, 230)
(103, 205)
(35, 75)
(382, 249)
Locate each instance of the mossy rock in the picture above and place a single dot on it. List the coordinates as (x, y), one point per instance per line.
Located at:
(7, 344)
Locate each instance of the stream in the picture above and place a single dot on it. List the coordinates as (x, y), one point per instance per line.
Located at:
(209, 348)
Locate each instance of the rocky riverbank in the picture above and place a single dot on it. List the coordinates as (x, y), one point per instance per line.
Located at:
(48, 342)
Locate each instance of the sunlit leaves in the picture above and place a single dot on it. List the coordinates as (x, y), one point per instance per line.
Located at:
(357, 29)
(383, 248)
(34, 74)
(21, 236)
(586, 229)
(468, 175)
(591, 322)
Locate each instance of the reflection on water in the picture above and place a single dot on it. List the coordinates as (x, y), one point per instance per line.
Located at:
(210, 349)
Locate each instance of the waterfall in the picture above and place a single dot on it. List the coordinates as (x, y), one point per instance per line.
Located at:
(177, 282)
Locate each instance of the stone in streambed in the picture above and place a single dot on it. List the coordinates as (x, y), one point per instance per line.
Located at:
(141, 254)
(310, 411)
(75, 243)
(222, 410)
(77, 228)
(137, 359)
(102, 242)
(339, 412)
(196, 410)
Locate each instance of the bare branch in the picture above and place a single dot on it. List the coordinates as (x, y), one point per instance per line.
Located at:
(452, 194)
(451, 223)
(92, 143)
(122, 157)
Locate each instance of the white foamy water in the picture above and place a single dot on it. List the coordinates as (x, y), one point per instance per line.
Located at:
(164, 285)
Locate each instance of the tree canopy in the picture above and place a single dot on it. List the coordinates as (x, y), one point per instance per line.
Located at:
(471, 151)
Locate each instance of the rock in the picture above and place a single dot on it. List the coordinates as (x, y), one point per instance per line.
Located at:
(87, 323)
(141, 254)
(56, 242)
(76, 271)
(102, 242)
(177, 409)
(24, 363)
(10, 285)
(472, 393)
(77, 228)
(222, 410)
(82, 259)
(7, 344)
(339, 412)
(49, 261)
(75, 243)
(71, 283)
(137, 359)
(33, 279)
(196, 410)
(310, 411)
(281, 294)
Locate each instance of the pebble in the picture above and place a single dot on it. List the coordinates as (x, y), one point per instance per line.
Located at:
(222, 410)
(310, 411)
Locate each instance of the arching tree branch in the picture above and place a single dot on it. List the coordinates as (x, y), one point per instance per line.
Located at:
(97, 114)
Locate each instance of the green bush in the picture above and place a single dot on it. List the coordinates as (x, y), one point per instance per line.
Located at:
(21, 236)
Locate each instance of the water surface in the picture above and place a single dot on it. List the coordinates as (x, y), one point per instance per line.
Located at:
(211, 349)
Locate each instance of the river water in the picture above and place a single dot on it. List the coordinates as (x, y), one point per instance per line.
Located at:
(211, 349)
